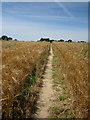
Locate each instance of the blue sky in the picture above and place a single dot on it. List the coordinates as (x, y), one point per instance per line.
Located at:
(56, 20)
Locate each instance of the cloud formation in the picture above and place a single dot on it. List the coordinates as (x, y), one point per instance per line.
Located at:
(64, 8)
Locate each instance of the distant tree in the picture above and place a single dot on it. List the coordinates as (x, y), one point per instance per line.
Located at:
(41, 39)
(15, 39)
(51, 41)
(69, 40)
(81, 41)
(61, 40)
(4, 37)
(45, 39)
(9, 38)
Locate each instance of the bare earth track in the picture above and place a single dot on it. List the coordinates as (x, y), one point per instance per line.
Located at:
(46, 95)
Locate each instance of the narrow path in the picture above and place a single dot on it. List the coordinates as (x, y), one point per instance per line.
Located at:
(46, 94)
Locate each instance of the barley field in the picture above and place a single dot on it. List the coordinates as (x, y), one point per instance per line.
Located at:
(22, 64)
(73, 59)
(23, 67)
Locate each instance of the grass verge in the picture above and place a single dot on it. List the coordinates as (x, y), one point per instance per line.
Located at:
(61, 105)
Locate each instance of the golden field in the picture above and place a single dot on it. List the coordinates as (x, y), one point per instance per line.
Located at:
(22, 65)
(73, 59)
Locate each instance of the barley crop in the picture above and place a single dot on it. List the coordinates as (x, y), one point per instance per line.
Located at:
(22, 64)
(73, 58)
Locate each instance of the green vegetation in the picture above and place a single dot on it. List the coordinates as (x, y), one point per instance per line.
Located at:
(61, 101)
(30, 80)
(55, 74)
(61, 98)
(85, 51)
(63, 87)
(62, 82)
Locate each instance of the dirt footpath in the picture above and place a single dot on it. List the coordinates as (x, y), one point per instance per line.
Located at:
(46, 94)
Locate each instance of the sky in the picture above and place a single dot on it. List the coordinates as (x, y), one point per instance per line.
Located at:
(30, 21)
(45, 0)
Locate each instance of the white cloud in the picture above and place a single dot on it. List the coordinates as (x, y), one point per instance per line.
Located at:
(64, 9)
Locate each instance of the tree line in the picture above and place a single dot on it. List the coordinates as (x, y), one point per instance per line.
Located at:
(61, 40)
(6, 38)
